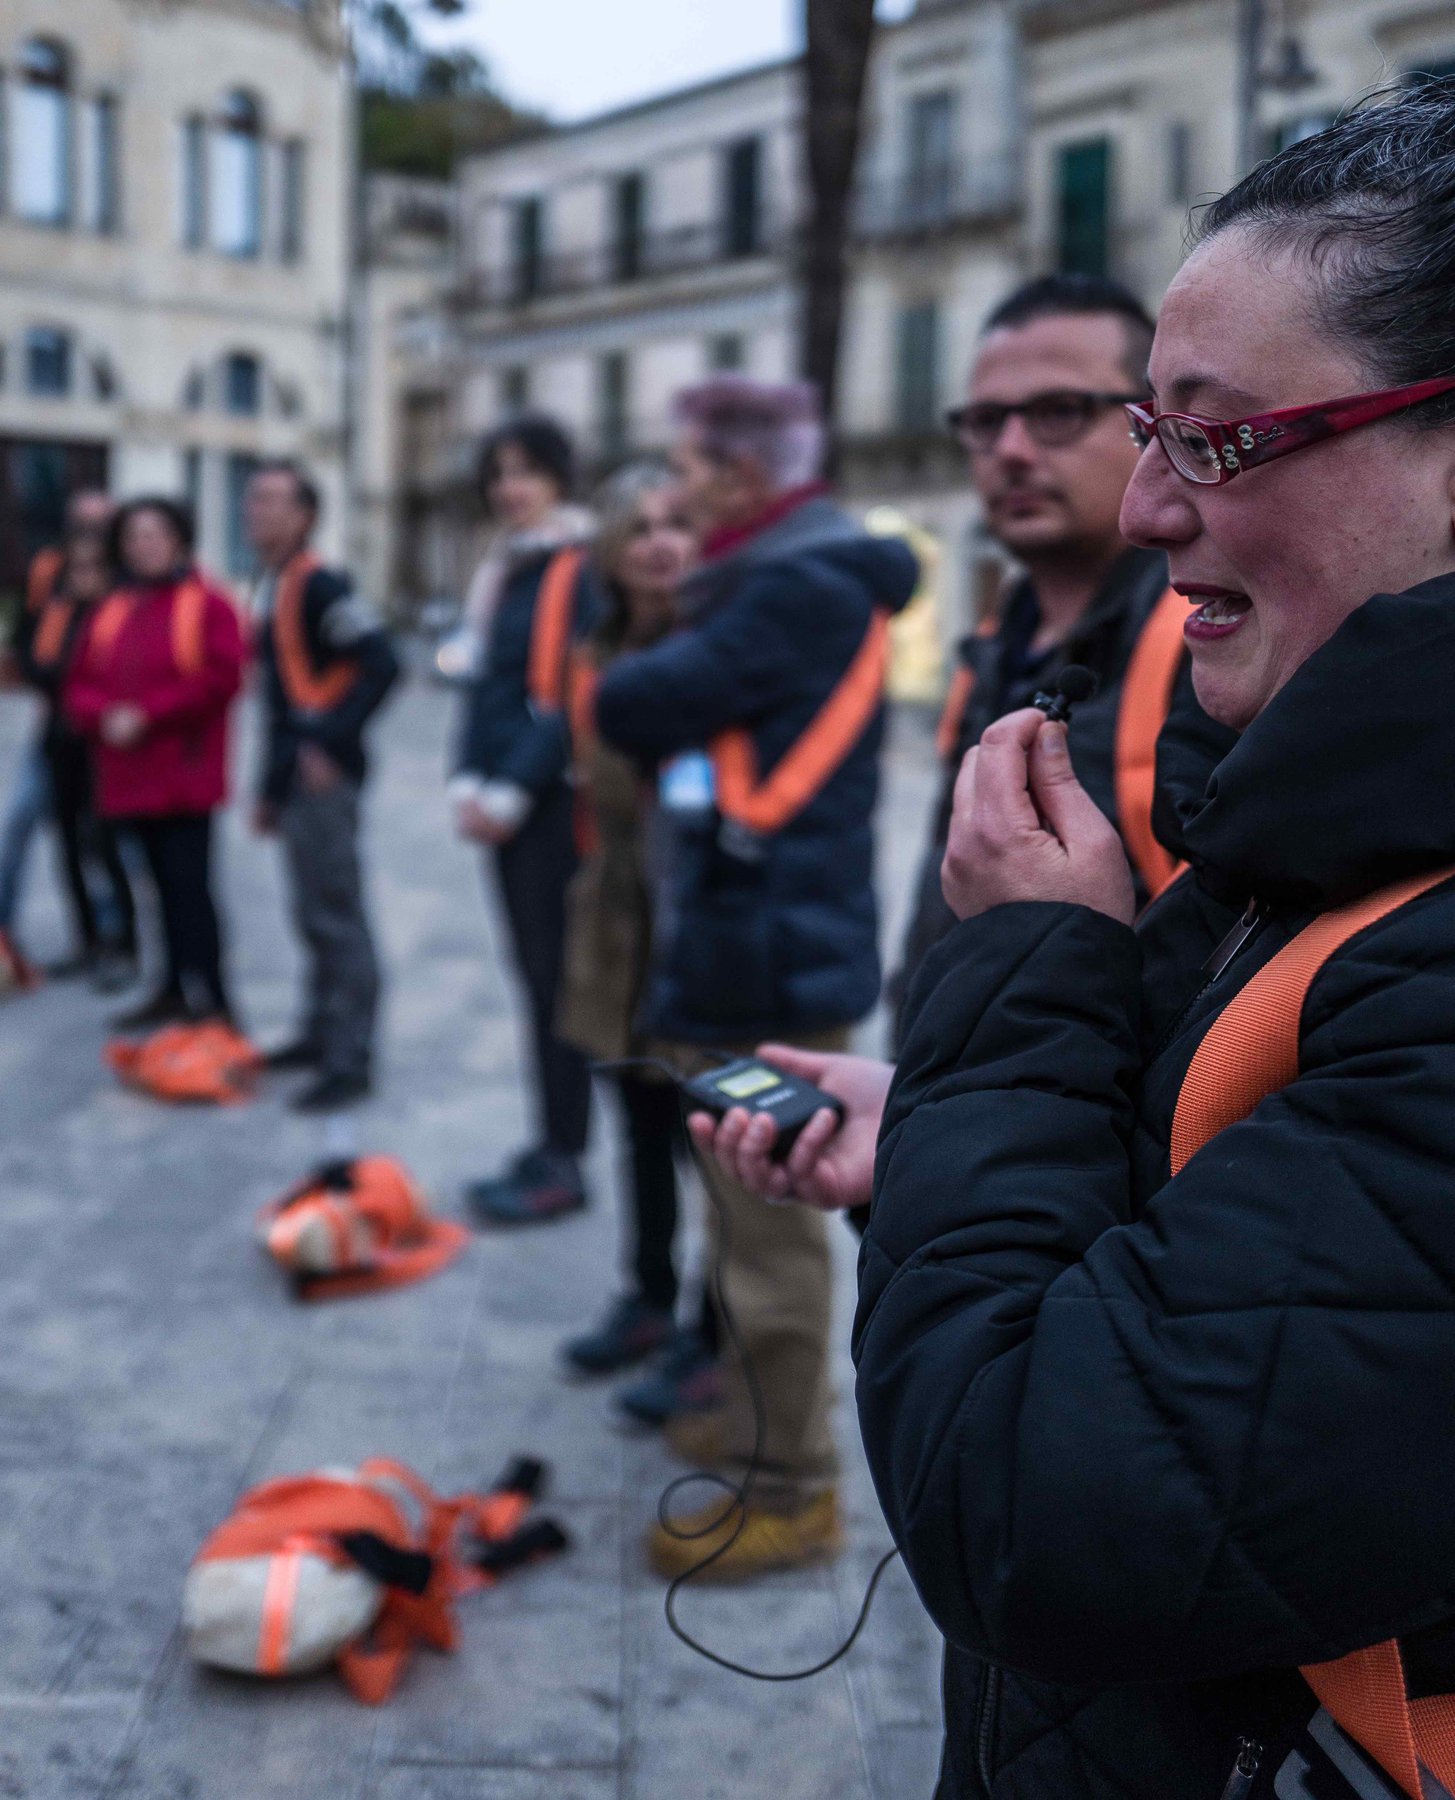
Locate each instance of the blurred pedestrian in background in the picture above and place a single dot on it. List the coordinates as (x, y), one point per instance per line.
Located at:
(644, 549)
(531, 601)
(152, 684)
(103, 911)
(766, 916)
(327, 664)
(1050, 459)
(89, 509)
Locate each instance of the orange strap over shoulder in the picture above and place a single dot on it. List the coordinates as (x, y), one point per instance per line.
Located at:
(550, 638)
(1250, 1053)
(51, 631)
(958, 697)
(189, 626)
(42, 576)
(804, 770)
(1145, 702)
(308, 689)
(582, 680)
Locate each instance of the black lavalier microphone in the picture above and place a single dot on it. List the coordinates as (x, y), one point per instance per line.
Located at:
(1073, 685)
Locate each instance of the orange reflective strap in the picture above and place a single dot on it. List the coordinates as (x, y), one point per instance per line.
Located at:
(1251, 1049)
(308, 690)
(807, 767)
(1146, 700)
(957, 701)
(42, 576)
(280, 1596)
(961, 691)
(188, 623)
(551, 628)
(50, 634)
(1251, 1052)
(1364, 1693)
(110, 622)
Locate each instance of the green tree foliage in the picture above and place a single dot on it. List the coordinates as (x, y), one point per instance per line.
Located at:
(422, 108)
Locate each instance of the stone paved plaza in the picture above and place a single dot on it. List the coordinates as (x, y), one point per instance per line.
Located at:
(153, 1366)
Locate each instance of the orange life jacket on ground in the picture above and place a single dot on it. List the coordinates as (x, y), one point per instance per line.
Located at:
(354, 1567)
(1146, 699)
(308, 689)
(357, 1228)
(1251, 1052)
(207, 1064)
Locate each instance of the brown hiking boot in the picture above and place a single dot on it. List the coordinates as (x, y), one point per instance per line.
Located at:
(768, 1540)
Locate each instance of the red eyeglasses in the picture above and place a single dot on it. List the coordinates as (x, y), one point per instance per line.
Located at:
(1212, 451)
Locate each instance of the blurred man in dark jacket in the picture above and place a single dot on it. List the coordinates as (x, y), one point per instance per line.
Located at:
(766, 915)
(327, 664)
(1050, 459)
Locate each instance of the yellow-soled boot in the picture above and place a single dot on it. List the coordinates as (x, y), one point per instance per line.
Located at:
(768, 1540)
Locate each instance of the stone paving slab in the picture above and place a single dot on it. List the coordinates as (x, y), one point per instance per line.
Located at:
(154, 1364)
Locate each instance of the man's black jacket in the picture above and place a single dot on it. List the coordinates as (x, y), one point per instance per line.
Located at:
(786, 943)
(337, 627)
(1006, 679)
(1150, 1444)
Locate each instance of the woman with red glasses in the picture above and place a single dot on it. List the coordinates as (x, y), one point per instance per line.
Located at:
(1156, 1342)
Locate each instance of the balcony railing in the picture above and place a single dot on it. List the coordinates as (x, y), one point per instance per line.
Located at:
(685, 249)
(933, 200)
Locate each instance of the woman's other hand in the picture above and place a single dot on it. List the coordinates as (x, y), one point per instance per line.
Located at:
(123, 725)
(1024, 828)
(831, 1166)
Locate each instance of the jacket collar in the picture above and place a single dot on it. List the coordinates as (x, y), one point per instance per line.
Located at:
(813, 522)
(1342, 783)
(730, 538)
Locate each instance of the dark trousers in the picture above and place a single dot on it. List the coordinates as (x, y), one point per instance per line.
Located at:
(179, 853)
(320, 835)
(90, 852)
(652, 1115)
(532, 871)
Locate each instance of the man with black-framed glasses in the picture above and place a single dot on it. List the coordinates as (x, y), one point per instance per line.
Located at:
(1045, 432)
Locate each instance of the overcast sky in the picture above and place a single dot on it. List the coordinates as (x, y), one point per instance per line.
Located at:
(575, 57)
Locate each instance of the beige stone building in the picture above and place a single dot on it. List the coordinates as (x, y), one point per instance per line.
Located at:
(174, 254)
(1133, 110)
(402, 383)
(604, 264)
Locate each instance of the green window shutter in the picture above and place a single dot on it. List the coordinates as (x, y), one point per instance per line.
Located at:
(919, 378)
(1083, 208)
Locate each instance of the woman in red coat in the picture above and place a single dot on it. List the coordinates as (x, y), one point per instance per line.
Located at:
(152, 684)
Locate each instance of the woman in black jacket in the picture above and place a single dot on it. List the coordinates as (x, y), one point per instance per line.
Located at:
(1151, 1443)
(511, 790)
(102, 906)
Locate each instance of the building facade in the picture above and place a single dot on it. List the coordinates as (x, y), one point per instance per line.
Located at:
(174, 255)
(406, 263)
(604, 265)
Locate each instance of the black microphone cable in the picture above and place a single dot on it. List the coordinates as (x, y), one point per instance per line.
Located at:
(737, 1493)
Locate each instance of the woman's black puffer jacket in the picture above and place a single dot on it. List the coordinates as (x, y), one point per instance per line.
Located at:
(1150, 1444)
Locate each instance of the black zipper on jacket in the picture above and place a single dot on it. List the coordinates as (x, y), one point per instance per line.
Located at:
(1245, 1770)
(989, 1706)
(1254, 918)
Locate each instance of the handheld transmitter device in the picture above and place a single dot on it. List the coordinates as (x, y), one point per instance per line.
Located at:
(760, 1088)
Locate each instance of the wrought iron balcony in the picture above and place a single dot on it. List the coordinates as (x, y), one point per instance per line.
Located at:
(649, 256)
(926, 201)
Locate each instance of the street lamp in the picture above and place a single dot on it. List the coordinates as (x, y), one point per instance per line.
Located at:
(1288, 72)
